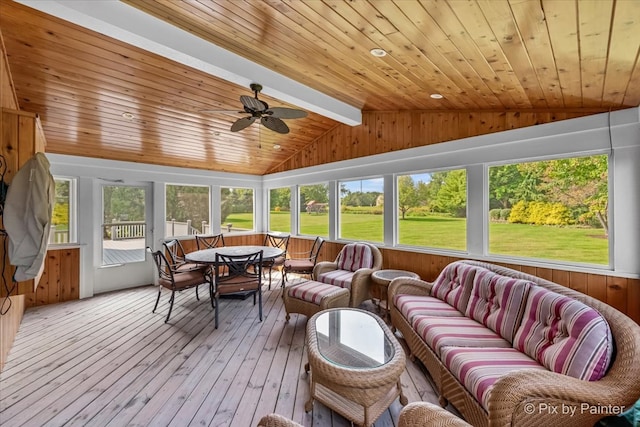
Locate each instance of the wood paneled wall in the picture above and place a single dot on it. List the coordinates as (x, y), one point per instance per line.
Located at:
(12, 309)
(382, 132)
(619, 292)
(60, 280)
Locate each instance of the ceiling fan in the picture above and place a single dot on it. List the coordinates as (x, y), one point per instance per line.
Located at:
(271, 118)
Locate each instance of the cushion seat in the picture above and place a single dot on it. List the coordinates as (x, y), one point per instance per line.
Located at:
(478, 369)
(310, 297)
(419, 305)
(439, 332)
(341, 278)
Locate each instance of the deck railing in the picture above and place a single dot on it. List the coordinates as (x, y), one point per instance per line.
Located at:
(136, 230)
(125, 230)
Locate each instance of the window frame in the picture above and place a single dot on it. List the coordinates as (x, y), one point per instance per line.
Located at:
(397, 215)
(164, 217)
(223, 227)
(550, 261)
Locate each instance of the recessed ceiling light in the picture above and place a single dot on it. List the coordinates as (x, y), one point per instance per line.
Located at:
(276, 146)
(378, 52)
(127, 115)
(436, 96)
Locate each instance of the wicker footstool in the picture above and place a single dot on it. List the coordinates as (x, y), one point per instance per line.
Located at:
(310, 297)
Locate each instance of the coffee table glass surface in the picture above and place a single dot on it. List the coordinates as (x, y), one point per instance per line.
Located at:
(352, 339)
(355, 364)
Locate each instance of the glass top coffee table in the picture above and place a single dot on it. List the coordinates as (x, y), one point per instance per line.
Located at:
(355, 364)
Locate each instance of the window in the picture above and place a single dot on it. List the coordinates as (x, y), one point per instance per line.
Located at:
(314, 209)
(236, 209)
(432, 209)
(187, 210)
(280, 209)
(552, 209)
(63, 221)
(361, 209)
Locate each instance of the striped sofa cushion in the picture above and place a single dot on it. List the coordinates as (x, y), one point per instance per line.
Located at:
(497, 302)
(355, 256)
(311, 291)
(413, 305)
(454, 283)
(340, 278)
(565, 335)
(478, 369)
(439, 332)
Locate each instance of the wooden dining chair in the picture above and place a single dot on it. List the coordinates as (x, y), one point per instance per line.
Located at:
(240, 275)
(277, 241)
(209, 241)
(177, 280)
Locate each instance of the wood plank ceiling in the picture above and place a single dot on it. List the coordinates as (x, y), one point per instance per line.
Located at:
(481, 55)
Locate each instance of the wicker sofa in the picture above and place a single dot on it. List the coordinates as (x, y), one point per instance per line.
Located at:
(510, 349)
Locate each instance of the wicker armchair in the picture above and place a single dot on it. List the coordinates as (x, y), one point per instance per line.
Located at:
(352, 269)
(416, 414)
(420, 414)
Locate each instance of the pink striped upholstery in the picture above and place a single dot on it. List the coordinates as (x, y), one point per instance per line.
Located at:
(497, 302)
(340, 278)
(438, 332)
(414, 305)
(355, 256)
(311, 291)
(565, 335)
(479, 368)
(454, 283)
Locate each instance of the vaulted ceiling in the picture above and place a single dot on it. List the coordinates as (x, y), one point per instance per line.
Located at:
(481, 55)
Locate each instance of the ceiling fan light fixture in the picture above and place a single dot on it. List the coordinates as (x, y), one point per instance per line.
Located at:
(436, 96)
(378, 52)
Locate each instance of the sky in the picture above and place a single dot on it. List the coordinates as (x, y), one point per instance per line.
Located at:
(376, 184)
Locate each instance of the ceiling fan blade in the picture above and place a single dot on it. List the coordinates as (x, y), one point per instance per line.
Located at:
(242, 123)
(253, 103)
(222, 112)
(275, 124)
(286, 113)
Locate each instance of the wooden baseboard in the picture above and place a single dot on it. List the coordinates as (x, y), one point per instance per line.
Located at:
(9, 324)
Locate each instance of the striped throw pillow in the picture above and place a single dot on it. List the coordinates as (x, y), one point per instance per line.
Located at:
(497, 302)
(565, 335)
(453, 285)
(355, 256)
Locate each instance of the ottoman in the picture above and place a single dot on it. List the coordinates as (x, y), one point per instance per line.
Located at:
(310, 297)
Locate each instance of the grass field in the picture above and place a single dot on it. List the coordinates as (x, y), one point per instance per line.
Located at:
(532, 241)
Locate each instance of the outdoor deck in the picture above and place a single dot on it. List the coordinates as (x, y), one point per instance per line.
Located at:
(108, 360)
(123, 251)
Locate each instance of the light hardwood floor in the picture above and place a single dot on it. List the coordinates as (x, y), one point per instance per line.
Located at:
(109, 361)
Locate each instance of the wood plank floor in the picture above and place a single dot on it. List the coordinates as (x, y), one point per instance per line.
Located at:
(109, 361)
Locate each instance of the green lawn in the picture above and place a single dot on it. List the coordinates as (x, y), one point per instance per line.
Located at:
(531, 241)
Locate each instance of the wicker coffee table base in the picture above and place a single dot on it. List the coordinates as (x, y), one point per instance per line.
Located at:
(359, 395)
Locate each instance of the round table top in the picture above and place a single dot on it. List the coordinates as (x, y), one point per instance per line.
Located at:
(384, 277)
(208, 256)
